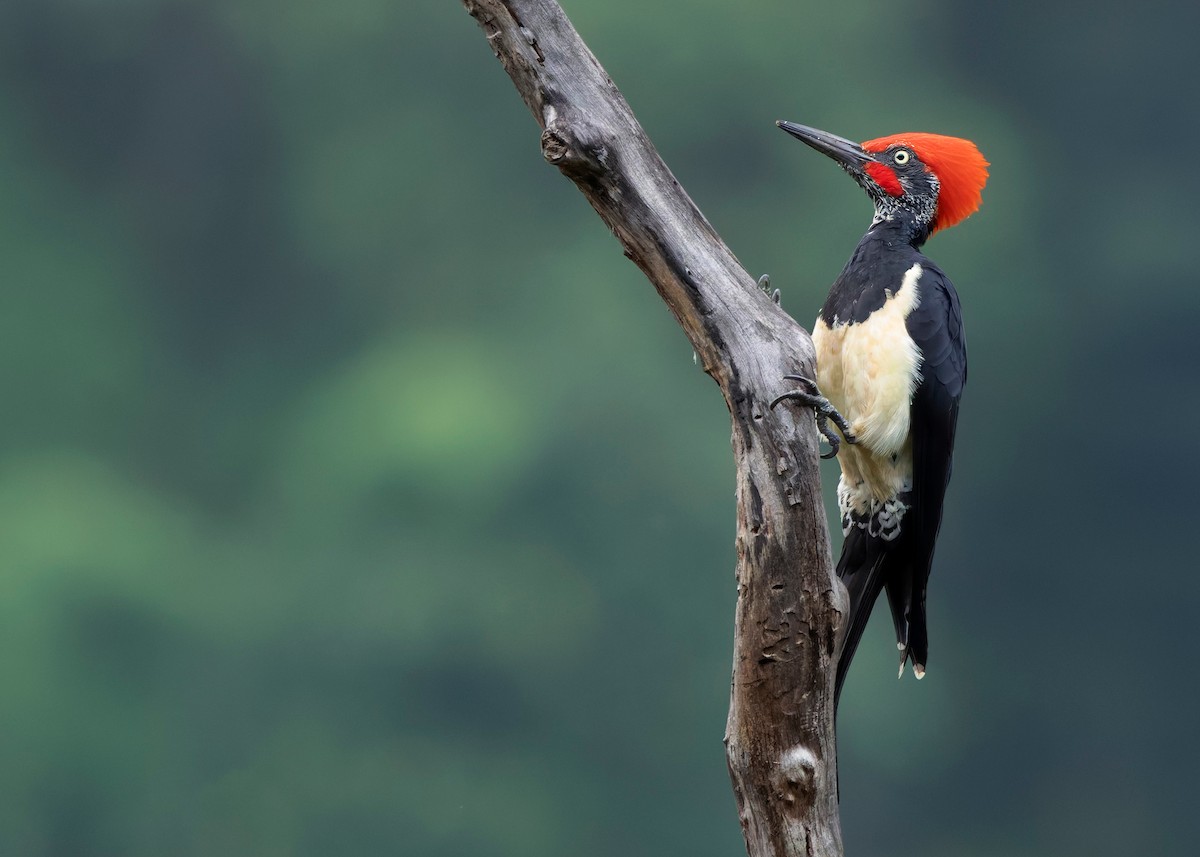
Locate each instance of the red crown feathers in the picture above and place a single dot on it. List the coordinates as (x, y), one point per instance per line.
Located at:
(958, 164)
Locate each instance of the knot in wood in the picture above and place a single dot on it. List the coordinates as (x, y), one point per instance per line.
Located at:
(796, 779)
(574, 146)
(554, 146)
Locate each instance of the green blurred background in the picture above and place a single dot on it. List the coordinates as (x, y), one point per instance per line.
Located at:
(358, 497)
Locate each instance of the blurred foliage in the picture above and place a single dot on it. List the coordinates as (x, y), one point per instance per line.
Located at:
(356, 496)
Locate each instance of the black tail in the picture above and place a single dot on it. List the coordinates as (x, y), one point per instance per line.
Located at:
(867, 566)
(906, 598)
(908, 613)
(862, 569)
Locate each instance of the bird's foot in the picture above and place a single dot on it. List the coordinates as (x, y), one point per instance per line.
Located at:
(764, 283)
(823, 410)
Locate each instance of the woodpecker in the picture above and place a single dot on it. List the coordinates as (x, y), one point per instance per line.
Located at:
(891, 365)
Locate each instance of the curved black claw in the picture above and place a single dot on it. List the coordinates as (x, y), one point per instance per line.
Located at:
(764, 283)
(823, 411)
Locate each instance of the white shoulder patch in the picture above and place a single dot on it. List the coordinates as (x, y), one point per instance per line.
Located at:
(880, 369)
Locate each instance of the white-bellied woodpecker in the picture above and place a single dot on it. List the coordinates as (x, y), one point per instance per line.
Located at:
(891, 365)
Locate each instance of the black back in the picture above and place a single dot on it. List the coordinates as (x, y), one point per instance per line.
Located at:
(877, 266)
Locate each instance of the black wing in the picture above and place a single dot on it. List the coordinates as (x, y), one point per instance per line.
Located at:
(936, 327)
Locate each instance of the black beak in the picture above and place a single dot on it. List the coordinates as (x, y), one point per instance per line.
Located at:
(846, 152)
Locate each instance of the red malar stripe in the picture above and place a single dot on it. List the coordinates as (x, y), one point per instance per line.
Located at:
(885, 177)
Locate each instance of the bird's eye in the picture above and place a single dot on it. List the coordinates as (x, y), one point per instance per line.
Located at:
(901, 157)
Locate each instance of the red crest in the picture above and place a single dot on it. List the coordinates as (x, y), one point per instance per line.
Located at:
(958, 164)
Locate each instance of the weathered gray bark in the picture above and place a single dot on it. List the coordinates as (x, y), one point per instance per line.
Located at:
(779, 737)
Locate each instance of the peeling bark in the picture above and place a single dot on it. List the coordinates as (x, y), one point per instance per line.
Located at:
(780, 734)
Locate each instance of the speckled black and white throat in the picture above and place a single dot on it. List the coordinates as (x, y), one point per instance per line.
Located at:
(920, 206)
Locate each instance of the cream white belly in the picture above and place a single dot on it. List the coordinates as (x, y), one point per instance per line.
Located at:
(869, 372)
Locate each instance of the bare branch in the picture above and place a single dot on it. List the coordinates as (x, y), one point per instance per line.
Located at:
(779, 737)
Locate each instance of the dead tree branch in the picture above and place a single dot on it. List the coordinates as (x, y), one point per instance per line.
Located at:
(780, 736)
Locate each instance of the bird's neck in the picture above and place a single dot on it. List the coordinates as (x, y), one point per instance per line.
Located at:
(898, 227)
(875, 271)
